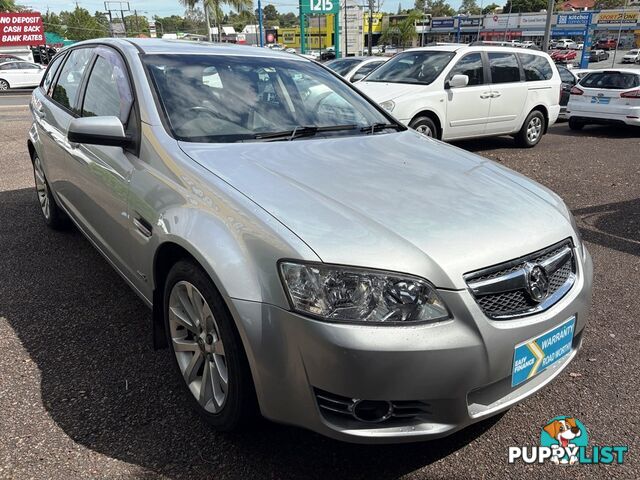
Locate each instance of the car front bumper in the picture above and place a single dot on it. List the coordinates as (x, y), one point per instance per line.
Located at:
(460, 369)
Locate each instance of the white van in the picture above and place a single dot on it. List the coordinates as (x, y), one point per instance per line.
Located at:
(455, 92)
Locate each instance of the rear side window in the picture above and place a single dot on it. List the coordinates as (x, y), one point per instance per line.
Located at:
(108, 92)
(8, 66)
(565, 75)
(536, 67)
(66, 90)
(367, 69)
(471, 65)
(611, 80)
(51, 72)
(504, 67)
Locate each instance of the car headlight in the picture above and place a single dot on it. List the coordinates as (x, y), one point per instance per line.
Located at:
(388, 105)
(345, 294)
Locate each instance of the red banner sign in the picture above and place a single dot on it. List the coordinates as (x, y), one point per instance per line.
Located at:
(21, 29)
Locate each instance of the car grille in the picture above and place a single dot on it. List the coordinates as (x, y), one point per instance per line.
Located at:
(526, 285)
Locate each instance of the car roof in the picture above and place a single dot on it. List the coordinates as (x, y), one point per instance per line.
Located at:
(159, 46)
(475, 48)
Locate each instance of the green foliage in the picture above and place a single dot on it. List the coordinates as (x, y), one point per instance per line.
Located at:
(490, 8)
(136, 25)
(439, 8)
(81, 25)
(53, 24)
(470, 7)
(524, 6)
(401, 33)
(181, 24)
(8, 6)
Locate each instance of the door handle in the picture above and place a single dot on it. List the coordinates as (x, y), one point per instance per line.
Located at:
(495, 94)
(39, 112)
(485, 95)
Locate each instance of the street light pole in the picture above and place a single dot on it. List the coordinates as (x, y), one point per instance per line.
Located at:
(615, 50)
(547, 26)
(260, 23)
(370, 33)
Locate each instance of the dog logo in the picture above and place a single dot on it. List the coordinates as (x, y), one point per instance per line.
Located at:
(564, 441)
(569, 434)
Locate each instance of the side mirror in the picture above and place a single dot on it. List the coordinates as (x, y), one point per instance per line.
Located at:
(357, 76)
(107, 131)
(458, 81)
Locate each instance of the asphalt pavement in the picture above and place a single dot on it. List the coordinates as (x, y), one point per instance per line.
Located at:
(83, 395)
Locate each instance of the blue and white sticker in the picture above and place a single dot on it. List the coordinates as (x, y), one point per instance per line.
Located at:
(536, 355)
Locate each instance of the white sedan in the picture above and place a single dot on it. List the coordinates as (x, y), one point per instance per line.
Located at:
(632, 56)
(20, 74)
(605, 97)
(355, 68)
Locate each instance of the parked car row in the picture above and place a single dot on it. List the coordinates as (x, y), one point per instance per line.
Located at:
(305, 256)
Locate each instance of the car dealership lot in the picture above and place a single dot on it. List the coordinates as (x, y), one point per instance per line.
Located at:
(84, 395)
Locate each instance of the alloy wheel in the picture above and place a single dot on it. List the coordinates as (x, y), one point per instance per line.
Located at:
(425, 130)
(41, 188)
(534, 129)
(4, 85)
(198, 347)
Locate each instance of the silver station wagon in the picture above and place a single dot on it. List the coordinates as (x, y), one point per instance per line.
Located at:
(306, 257)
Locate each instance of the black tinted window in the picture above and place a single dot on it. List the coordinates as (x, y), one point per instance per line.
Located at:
(612, 80)
(566, 76)
(470, 65)
(51, 72)
(343, 65)
(367, 69)
(536, 67)
(108, 92)
(504, 68)
(66, 90)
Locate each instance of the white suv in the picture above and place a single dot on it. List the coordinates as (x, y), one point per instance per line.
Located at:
(455, 92)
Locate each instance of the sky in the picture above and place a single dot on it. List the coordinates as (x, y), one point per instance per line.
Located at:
(164, 8)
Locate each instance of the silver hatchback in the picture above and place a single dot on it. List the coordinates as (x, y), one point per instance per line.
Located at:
(305, 256)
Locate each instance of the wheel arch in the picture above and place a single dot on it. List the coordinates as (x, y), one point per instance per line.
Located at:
(433, 116)
(8, 83)
(545, 112)
(32, 150)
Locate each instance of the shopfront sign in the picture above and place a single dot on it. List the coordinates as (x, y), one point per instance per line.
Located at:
(21, 29)
(442, 23)
(533, 21)
(617, 18)
(470, 22)
(501, 21)
(573, 19)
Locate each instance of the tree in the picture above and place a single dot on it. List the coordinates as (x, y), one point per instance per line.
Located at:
(490, 8)
(52, 24)
(215, 7)
(439, 8)
(419, 5)
(469, 7)
(403, 32)
(81, 25)
(399, 8)
(136, 25)
(8, 6)
(524, 6)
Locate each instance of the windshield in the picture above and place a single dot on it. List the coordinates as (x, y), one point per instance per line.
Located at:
(222, 98)
(421, 67)
(611, 80)
(633, 52)
(343, 65)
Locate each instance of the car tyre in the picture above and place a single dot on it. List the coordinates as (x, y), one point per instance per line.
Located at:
(207, 350)
(532, 130)
(4, 85)
(575, 124)
(53, 215)
(425, 125)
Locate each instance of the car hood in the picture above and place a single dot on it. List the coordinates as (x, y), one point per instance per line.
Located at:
(383, 91)
(396, 201)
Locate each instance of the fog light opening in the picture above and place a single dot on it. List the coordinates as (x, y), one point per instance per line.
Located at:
(372, 411)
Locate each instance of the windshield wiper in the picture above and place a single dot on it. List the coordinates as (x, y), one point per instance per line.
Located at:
(301, 131)
(376, 127)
